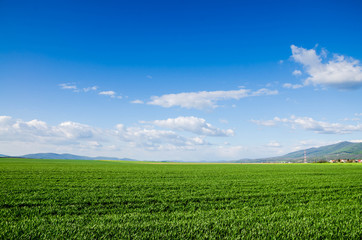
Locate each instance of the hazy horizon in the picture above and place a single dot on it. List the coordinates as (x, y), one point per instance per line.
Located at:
(201, 80)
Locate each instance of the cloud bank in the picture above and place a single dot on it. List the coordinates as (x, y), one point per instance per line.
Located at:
(158, 138)
(65, 133)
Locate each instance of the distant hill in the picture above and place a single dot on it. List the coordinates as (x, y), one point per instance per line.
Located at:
(338, 150)
(70, 156)
(54, 156)
(342, 150)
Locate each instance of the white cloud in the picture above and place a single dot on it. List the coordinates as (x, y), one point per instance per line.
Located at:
(87, 89)
(169, 139)
(22, 130)
(154, 139)
(292, 86)
(267, 123)
(205, 99)
(141, 142)
(35, 130)
(340, 71)
(68, 86)
(224, 121)
(149, 76)
(73, 130)
(297, 73)
(72, 133)
(310, 124)
(137, 101)
(194, 125)
(108, 93)
(111, 94)
(274, 144)
(351, 119)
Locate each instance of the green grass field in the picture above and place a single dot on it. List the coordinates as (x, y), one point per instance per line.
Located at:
(75, 199)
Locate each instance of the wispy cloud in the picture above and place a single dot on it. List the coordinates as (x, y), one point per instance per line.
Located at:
(194, 125)
(224, 121)
(72, 86)
(310, 124)
(68, 86)
(273, 144)
(108, 93)
(93, 88)
(137, 101)
(351, 119)
(297, 72)
(292, 86)
(341, 72)
(205, 99)
(266, 123)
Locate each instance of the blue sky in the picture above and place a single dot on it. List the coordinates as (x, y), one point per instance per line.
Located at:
(179, 80)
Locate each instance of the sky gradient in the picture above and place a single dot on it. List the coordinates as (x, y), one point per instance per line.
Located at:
(179, 80)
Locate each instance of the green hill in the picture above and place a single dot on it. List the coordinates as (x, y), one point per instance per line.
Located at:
(338, 150)
(341, 150)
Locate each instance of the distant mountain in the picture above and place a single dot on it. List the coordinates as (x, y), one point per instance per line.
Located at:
(54, 156)
(338, 150)
(342, 150)
(70, 156)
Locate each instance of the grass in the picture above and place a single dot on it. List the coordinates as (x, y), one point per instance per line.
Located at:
(76, 199)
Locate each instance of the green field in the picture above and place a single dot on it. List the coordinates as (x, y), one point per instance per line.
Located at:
(66, 199)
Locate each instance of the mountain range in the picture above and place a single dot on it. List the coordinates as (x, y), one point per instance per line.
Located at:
(66, 156)
(341, 150)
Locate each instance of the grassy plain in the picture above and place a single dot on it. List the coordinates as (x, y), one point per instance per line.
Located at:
(75, 199)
